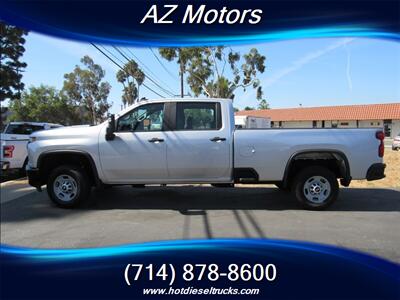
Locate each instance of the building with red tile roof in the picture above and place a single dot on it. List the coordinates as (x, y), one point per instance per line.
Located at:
(386, 116)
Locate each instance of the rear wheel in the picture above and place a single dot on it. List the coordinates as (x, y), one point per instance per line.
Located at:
(315, 187)
(68, 186)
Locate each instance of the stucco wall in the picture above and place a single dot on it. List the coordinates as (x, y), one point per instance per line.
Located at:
(370, 123)
(297, 124)
(341, 124)
(395, 128)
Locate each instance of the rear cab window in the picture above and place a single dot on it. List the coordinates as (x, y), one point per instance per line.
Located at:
(198, 116)
(25, 129)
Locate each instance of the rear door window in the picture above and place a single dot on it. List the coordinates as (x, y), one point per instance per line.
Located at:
(198, 116)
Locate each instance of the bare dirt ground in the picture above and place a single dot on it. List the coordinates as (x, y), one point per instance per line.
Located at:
(392, 180)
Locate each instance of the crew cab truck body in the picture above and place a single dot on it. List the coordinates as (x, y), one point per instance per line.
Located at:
(195, 141)
(13, 141)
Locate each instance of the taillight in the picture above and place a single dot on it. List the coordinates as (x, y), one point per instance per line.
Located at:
(8, 151)
(380, 136)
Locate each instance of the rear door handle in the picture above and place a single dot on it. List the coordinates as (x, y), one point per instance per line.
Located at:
(156, 140)
(217, 139)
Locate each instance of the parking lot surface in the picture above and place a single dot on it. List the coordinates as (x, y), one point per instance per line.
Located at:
(363, 219)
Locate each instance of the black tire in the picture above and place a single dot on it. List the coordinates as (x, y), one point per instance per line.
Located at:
(311, 181)
(281, 187)
(22, 171)
(222, 185)
(107, 186)
(138, 186)
(80, 190)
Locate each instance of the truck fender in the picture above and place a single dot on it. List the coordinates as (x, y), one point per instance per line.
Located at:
(92, 164)
(338, 155)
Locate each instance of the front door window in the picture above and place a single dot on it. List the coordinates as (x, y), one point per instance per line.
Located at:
(144, 118)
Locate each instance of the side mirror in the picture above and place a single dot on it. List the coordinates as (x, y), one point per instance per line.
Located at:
(110, 128)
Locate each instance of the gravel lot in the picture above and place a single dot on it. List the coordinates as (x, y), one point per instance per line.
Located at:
(392, 179)
(364, 219)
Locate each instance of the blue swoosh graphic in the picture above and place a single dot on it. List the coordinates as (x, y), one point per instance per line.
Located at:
(210, 245)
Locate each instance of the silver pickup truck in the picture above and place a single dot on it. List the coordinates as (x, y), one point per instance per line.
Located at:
(195, 141)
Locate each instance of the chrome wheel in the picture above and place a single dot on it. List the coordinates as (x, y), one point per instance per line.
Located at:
(317, 189)
(65, 188)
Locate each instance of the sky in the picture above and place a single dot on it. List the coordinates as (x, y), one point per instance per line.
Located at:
(306, 72)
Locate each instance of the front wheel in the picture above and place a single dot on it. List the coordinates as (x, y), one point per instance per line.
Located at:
(68, 186)
(281, 186)
(22, 171)
(315, 187)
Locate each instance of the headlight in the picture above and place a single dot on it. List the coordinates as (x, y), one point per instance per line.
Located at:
(32, 139)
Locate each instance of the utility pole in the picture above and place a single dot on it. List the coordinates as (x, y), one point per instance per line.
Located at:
(182, 94)
(138, 86)
(181, 71)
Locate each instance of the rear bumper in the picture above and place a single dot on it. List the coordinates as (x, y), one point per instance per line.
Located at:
(4, 165)
(376, 171)
(34, 177)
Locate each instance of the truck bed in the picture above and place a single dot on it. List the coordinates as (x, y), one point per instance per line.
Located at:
(268, 151)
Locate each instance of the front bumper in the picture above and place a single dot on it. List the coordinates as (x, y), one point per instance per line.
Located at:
(376, 171)
(4, 165)
(34, 178)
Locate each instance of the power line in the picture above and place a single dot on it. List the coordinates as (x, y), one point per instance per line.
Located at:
(151, 79)
(117, 58)
(162, 65)
(154, 81)
(140, 62)
(112, 54)
(143, 65)
(102, 52)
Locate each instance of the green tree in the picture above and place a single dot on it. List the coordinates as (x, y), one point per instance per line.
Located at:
(130, 73)
(44, 104)
(11, 49)
(217, 71)
(84, 86)
(263, 104)
(249, 108)
(182, 57)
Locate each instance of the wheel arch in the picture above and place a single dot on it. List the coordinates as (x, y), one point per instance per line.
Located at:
(318, 155)
(47, 161)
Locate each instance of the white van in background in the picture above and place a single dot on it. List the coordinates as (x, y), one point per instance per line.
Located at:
(250, 122)
(13, 141)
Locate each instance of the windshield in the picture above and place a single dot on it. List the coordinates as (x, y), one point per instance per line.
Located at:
(26, 129)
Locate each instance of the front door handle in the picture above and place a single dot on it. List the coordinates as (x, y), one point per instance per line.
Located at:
(217, 139)
(156, 140)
